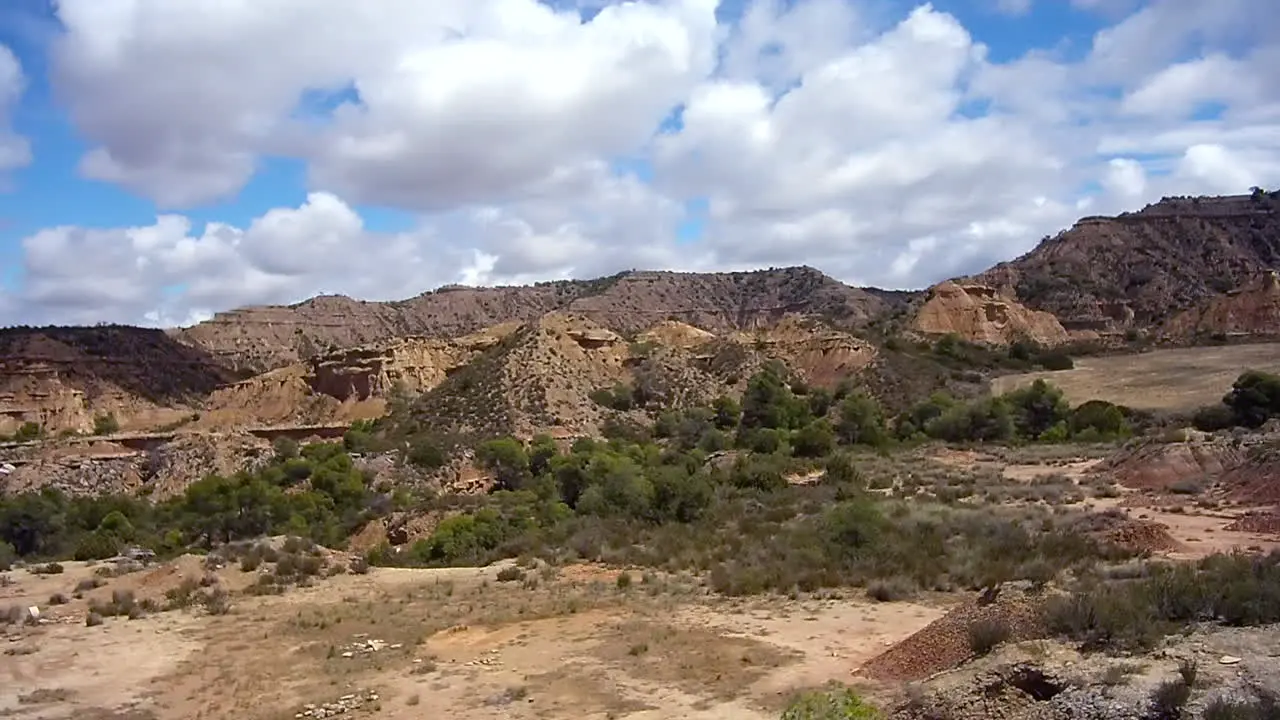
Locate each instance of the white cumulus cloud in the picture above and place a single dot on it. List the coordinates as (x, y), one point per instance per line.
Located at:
(533, 140)
(15, 151)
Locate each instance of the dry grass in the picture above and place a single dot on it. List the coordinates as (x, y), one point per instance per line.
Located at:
(1170, 380)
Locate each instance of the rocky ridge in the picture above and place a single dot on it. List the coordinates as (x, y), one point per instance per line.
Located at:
(263, 338)
(1137, 270)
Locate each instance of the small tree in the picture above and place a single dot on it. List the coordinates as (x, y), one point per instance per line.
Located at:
(1254, 398)
(814, 440)
(727, 412)
(287, 448)
(1037, 408)
(861, 420)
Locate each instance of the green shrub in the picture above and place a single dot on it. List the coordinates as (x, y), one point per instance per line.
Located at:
(1213, 418)
(97, 546)
(837, 703)
(1235, 589)
(1254, 398)
(28, 431)
(891, 589)
(860, 421)
(814, 440)
(510, 574)
(1055, 360)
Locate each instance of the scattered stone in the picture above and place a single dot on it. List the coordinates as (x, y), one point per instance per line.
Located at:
(1228, 660)
(363, 646)
(343, 705)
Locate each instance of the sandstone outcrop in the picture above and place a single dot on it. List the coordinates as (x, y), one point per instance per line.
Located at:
(821, 355)
(345, 385)
(981, 314)
(673, 333)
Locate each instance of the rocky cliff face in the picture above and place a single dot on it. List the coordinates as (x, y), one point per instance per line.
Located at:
(1253, 310)
(263, 338)
(1139, 269)
(980, 314)
(61, 378)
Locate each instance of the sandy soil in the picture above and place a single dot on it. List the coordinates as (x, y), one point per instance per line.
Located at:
(451, 643)
(1178, 379)
(1200, 532)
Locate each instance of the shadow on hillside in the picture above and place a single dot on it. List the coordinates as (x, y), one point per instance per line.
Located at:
(144, 362)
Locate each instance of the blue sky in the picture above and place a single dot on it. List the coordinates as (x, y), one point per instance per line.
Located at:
(681, 206)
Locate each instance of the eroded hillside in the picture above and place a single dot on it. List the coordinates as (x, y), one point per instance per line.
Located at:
(979, 313)
(262, 338)
(64, 378)
(1138, 269)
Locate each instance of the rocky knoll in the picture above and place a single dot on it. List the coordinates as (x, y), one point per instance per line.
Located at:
(262, 338)
(980, 314)
(61, 378)
(1139, 269)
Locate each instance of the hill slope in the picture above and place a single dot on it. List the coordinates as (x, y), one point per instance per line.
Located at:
(60, 378)
(1138, 269)
(262, 338)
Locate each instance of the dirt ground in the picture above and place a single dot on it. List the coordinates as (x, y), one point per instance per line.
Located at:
(449, 643)
(1198, 530)
(1180, 379)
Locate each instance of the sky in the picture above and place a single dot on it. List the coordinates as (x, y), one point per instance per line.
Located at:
(164, 160)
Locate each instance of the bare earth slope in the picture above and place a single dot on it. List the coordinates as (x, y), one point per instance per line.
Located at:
(262, 338)
(1138, 269)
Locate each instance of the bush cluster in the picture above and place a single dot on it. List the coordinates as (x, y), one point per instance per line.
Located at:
(1253, 400)
(1233, 589)
(740, 521)
(316, 493)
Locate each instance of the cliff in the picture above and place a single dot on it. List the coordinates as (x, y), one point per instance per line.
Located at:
(1252, 310)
